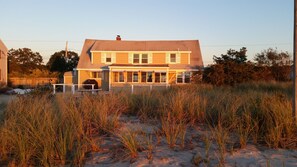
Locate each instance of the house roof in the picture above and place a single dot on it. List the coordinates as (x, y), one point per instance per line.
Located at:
(2, 46)
(114, 45)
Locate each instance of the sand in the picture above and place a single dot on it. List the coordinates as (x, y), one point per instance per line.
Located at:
(112, 153)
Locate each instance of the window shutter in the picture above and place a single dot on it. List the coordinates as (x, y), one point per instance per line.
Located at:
(103, 57)
(130, 59)
(113, 58)
(189, 58)
(150, 58)
(167, 58)
(178, 58)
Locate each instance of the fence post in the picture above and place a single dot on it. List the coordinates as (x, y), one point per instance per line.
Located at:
(132, 89)
(64, 88)
(73, 88)
(54, 85)
(93, 88)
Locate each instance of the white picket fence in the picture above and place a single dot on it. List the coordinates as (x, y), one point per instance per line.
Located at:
(75, 88)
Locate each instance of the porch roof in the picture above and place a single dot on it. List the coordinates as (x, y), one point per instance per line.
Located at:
(139, 65)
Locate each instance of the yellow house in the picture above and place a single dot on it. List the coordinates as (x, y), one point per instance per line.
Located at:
(3, 64)
(117, 63)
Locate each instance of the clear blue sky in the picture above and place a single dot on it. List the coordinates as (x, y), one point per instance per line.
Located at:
(46, 25)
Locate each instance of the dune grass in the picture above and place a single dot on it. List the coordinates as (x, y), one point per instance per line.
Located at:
(46, 130)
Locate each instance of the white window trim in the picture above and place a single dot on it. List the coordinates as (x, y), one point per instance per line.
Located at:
(170, 58)
(149, 57)
(146, 78)
(106, 57)
(118, 77)
(127, 76)
(123, 76)
(177, 58)
(91, 75)
(133, 77)
(139, 58)
(183, 76)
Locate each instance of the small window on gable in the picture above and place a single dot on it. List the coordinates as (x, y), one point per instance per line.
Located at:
(136, 58)
(108, 58)
(172, 58)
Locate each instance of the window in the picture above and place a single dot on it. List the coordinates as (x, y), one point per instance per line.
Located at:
(136, 58)
(108, 58)
(121, 77)
(157, 77)
(96, 74)
(163, 77)
(172, 58)
(149, 77)
(115, 77)
(143, 76)
(144, 59)
(118, 77)
(140, 58)
(129, 76)
(179, 78)
(135, 76)
(183, 77)
(187, 77)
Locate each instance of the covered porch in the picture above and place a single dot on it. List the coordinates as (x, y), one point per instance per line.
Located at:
(128, 76)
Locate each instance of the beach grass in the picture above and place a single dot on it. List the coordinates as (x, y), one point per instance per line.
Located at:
(47, 130)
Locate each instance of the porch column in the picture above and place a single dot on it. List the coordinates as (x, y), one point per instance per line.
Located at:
(167, 76)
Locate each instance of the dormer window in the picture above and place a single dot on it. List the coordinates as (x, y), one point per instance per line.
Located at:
(172, 58)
